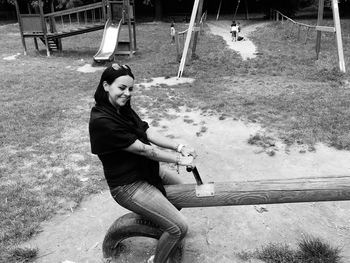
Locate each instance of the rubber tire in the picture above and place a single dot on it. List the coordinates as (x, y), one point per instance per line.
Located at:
(128, 225)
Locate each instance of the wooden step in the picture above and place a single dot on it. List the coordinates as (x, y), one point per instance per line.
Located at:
(124, 52)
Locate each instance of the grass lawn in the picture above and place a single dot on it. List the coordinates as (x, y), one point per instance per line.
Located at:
(46, 166)
(309, 250)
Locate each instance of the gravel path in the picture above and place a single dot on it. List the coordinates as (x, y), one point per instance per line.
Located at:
(245, 47)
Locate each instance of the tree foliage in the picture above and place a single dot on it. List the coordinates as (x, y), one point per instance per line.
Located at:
(288, 7)
(61, 4)
(65, 3)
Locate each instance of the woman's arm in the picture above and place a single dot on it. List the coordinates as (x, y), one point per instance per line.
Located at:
(156, 154)
(160, 140)
(164, 142)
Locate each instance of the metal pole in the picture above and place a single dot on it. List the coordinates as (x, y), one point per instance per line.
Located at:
(188, 39)
(234, 16)
(21, 27)
(246, 10)
(336, 19)
(43, 25)
(319, 23)
(217, 16)
(195, 37)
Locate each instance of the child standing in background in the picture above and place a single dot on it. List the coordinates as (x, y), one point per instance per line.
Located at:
(234, 30)
(172, 33)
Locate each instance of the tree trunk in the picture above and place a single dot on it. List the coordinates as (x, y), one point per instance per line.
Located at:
(158, 10)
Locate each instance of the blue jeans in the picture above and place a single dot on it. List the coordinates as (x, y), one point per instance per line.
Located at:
(146, 200)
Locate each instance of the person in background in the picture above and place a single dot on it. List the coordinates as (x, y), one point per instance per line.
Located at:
(172, 33)
(130, 152)
(234, 29)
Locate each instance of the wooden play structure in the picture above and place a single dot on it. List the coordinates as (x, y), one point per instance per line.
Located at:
(280, 191)
(112, 44)
(51, 27)
(319, 27)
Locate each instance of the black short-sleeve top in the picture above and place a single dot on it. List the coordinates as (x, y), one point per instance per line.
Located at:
(110, 133)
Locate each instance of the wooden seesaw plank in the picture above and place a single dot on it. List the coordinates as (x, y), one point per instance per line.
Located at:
(263, 192)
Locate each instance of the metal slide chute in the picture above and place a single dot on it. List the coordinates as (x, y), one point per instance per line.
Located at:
(109, 42)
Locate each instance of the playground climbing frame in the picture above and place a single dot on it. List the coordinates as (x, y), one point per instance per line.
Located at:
(51, 27)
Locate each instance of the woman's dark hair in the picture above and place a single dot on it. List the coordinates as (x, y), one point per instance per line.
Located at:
(109, 75)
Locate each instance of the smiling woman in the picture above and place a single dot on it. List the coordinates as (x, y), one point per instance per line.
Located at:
(119, 91)
(130, 152)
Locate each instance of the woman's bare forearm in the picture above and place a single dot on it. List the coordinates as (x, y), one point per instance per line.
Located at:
(156, 154)
(160, 140)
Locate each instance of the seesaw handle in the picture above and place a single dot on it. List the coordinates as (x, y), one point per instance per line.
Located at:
(196, 175)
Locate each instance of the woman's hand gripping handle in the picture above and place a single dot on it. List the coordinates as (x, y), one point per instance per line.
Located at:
(188, 155)
(186, 150)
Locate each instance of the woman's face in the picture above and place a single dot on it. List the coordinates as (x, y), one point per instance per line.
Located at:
(119, 92)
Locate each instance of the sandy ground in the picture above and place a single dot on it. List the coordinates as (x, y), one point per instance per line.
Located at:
(13, 57)
(216, 234)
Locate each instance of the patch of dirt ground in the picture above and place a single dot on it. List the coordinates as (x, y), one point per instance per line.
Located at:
(216, 234)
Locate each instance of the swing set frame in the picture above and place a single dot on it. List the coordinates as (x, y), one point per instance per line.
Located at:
(197, 13)
(335, 29)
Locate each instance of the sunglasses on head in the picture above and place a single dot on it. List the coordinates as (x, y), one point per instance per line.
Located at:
(117, 66)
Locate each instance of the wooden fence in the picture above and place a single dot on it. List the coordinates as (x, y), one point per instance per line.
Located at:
(278, 16)
(180, 36)
(319, 28)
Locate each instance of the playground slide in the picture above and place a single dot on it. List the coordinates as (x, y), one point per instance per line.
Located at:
(109, 42)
